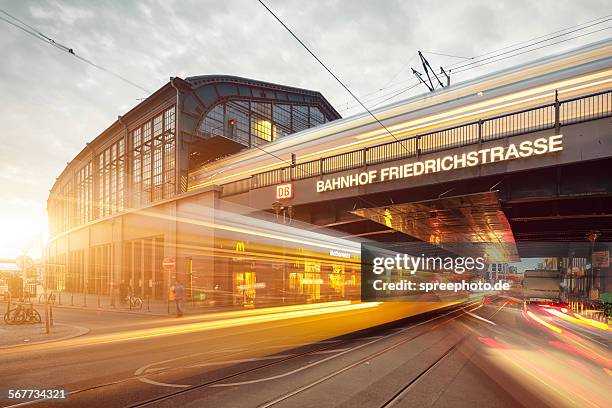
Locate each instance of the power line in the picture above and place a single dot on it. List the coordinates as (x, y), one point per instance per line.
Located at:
(40, 36)
(500, 59)
(477, 60)
(48, 40)
(532, 39)
(397, 94)
(530, 45)
(331, 73)
(535, 49)
(375, 98)
(370, 203)
(375, 101)
(447, 55)
(397, 73)
(386, 86)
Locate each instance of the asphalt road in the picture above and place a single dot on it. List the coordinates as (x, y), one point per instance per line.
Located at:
(464, 356)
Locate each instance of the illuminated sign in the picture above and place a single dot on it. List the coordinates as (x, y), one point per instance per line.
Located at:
(284, 191)
(527, 148)
(334, 252)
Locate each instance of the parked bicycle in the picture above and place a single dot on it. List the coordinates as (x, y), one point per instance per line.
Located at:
(134, 301)
(22, 315)
(42, 299)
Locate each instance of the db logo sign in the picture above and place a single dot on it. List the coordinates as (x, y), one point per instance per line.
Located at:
(284, 191)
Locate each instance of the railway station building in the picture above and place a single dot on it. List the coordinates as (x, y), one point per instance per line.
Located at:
(114, 211)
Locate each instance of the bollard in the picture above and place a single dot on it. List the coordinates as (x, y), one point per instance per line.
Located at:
(98, 300)
(148, 304)
(71, 299)
(84, 299)
(59, 298)
(47, 314)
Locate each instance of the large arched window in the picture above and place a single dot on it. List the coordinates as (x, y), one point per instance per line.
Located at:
(252, 123)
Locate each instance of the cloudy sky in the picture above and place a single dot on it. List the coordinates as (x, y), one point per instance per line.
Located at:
(52, 104)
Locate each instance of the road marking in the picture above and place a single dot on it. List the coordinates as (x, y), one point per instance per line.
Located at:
(329, 351)
(161, 384)
(298, 344)
(152, 370)
(480, 318)
(148, 366)
(242, 360)
(297, 370)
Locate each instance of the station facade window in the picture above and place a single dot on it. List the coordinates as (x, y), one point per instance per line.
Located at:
(99, 278)
(154, 159)
(111, 179)
(84, 189)
(75, 276)
(141, 267)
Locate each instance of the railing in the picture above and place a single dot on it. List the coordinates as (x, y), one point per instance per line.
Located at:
(550, 116)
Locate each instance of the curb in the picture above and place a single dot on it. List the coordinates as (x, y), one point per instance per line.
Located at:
(142, 312)
(102, 309)
(82, 331)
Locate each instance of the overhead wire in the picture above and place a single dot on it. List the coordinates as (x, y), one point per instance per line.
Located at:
(331, 73)
(530, 45)
(530, 40)
(534, 49)
(370, 203)
(494, 58)
(34, 32)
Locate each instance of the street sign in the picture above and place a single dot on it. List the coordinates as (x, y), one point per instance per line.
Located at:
(169, 264)
(284, 191)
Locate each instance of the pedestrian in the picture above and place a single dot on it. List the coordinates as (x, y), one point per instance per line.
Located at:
(123, 292)
(179, 295)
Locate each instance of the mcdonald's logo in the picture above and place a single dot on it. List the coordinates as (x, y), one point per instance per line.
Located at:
(240, 246)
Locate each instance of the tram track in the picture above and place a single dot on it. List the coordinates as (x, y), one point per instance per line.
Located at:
(279, 362)
(220, 380)
(398, 396)
(367, 359)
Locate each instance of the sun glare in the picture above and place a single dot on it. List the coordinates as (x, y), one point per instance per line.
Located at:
(21, 234)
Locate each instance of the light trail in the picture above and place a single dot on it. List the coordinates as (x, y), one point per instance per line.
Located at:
(429, 123)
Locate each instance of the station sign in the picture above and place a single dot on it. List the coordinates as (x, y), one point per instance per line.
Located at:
(284, 191)
(524, 149)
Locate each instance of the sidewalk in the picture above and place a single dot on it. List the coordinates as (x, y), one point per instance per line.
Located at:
(28, 334)
(149, 306)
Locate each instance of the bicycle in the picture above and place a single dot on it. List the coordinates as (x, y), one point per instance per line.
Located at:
(42, 299)
(22, 315)
(134, 301)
